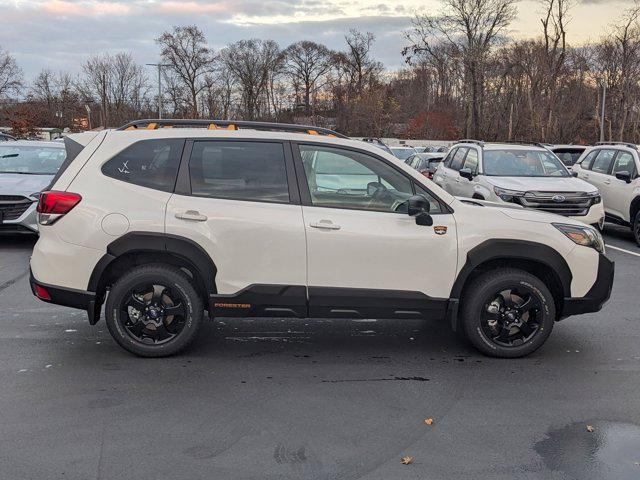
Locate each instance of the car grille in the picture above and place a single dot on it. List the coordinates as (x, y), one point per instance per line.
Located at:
(13, 206)
(570, 204)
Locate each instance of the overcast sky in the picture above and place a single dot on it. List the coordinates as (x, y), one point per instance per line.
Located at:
(61, 34)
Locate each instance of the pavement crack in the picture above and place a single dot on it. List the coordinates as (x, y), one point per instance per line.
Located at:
(394, 379)
(8, 283)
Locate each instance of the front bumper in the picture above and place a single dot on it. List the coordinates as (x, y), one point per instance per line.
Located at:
(25, 223)
(597, 295)
(67, 297)
(595, 215)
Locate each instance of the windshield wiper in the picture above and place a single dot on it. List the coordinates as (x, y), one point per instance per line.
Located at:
(10, 155)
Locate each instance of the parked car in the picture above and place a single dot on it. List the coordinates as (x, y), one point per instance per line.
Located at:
(568, 154)
(402, 152)
(424, 149)
(235, 218)
(25, 169)
(378, 143)
(524, 174)
(6, 137)
(425, 163)
(613, 168)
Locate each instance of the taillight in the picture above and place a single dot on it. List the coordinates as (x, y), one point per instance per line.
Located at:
(53, 205)
(42, 292)
(427, 174)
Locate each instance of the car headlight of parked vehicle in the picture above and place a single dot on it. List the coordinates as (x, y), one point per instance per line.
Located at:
(595, 197)
(507, 195)
(585, 236)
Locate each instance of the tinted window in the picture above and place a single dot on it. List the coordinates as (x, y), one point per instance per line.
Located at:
(603, 161)
(568, 156)
(239, 171)
(348, 179)
(624, 163)
(149, 163)
(471, 162)
(458, 158)
(586, 161)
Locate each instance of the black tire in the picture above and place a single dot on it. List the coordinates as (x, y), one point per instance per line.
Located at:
(478, 298)
(636, 228)
(176, 287)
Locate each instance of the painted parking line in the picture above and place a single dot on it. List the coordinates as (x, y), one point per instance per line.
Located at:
(623, 250)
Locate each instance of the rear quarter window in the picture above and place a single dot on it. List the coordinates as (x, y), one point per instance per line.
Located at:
(148, 163)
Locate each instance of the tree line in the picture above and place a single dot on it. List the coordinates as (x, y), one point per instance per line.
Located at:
(463, 77)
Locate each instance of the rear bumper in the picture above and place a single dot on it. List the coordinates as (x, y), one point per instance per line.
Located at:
(597, 296)
(67, 297)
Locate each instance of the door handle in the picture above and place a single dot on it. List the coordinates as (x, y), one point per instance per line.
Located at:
(191, 215)
(325, 225)
(607, 182)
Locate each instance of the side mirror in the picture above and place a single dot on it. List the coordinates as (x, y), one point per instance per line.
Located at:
(418, 207)
(466, 173)
(624, 175)
(574, 174)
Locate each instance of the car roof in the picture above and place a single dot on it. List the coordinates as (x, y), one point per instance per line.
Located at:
(568, 146)
(427, 155)
(35, 143)
(513, 146)
(401, 147)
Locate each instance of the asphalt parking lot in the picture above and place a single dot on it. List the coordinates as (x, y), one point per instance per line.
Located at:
(323, 399)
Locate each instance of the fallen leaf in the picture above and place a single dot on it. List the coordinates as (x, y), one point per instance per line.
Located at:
(590, 428)
(406, 460)
(429, 421)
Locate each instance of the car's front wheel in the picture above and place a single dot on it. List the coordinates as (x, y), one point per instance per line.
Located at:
(636, 228)
(154, 311)
(507, 313)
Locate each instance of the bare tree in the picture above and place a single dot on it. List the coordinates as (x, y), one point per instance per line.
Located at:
(253, 64)
(307, 66)
(97, 83)
(361, 69)
(11, 75)
(186, 52)
(471, 27)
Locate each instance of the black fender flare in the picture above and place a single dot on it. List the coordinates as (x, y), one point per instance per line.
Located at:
(499, 249)
(157, 242)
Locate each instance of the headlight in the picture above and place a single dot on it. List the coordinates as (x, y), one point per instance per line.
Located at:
(585, 236)
(595, 197)
(507, 195)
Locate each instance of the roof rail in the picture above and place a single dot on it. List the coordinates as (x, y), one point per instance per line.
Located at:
(153, 124)
(527, 142)
(625, 144)
(470, 140)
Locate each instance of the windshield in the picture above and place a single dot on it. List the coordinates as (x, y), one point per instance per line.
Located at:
(30, 160)
(569, 157)
(403, 153)
(523, 163)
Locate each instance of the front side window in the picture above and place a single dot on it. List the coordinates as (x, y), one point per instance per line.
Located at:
(586, 161)
(471, 162)
(148, 163)
(522, 163)
(253, 171)
(348, 179)
(458, 159)
(603, 161)
(30, 160)
(624, 163)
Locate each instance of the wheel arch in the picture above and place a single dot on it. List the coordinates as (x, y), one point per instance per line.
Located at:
(535, 258)
(140, 248)
(634, 208)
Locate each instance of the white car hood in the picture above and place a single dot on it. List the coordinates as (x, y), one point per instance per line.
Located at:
(25, 185)
(542, 184)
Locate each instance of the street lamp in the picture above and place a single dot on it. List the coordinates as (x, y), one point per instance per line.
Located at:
(159, 66)
(604, 99)
(88, 109)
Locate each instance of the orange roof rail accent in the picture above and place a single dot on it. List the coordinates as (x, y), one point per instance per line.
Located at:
(312, 132)
(152, 126)
(212, 126)
(132, 127)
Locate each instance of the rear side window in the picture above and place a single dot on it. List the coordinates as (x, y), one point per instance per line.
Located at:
(253, 171)
(148, 163)
(603, 161)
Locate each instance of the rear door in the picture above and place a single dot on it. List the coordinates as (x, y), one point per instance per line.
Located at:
(599, 173)
(366, 256)
(620, 192)
(238, 200)
(452, 168)
(466, 187)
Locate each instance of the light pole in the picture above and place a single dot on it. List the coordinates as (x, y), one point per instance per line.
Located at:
(159, 66)
(604, 99)
(88, 109)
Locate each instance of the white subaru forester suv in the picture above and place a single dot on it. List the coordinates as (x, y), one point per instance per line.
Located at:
(614, 169)
(526, 174)
(245, 219)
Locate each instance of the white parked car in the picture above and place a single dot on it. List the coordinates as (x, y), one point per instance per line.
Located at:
(523, 174)
(244, 219)
(613, 168)
(403, 152)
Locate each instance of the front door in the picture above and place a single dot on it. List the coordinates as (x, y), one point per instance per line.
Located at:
(242, 208)
(366, 257)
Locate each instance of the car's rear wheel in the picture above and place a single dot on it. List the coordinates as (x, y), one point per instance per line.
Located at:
(507, 313)
(154, 311)
(636, 228)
